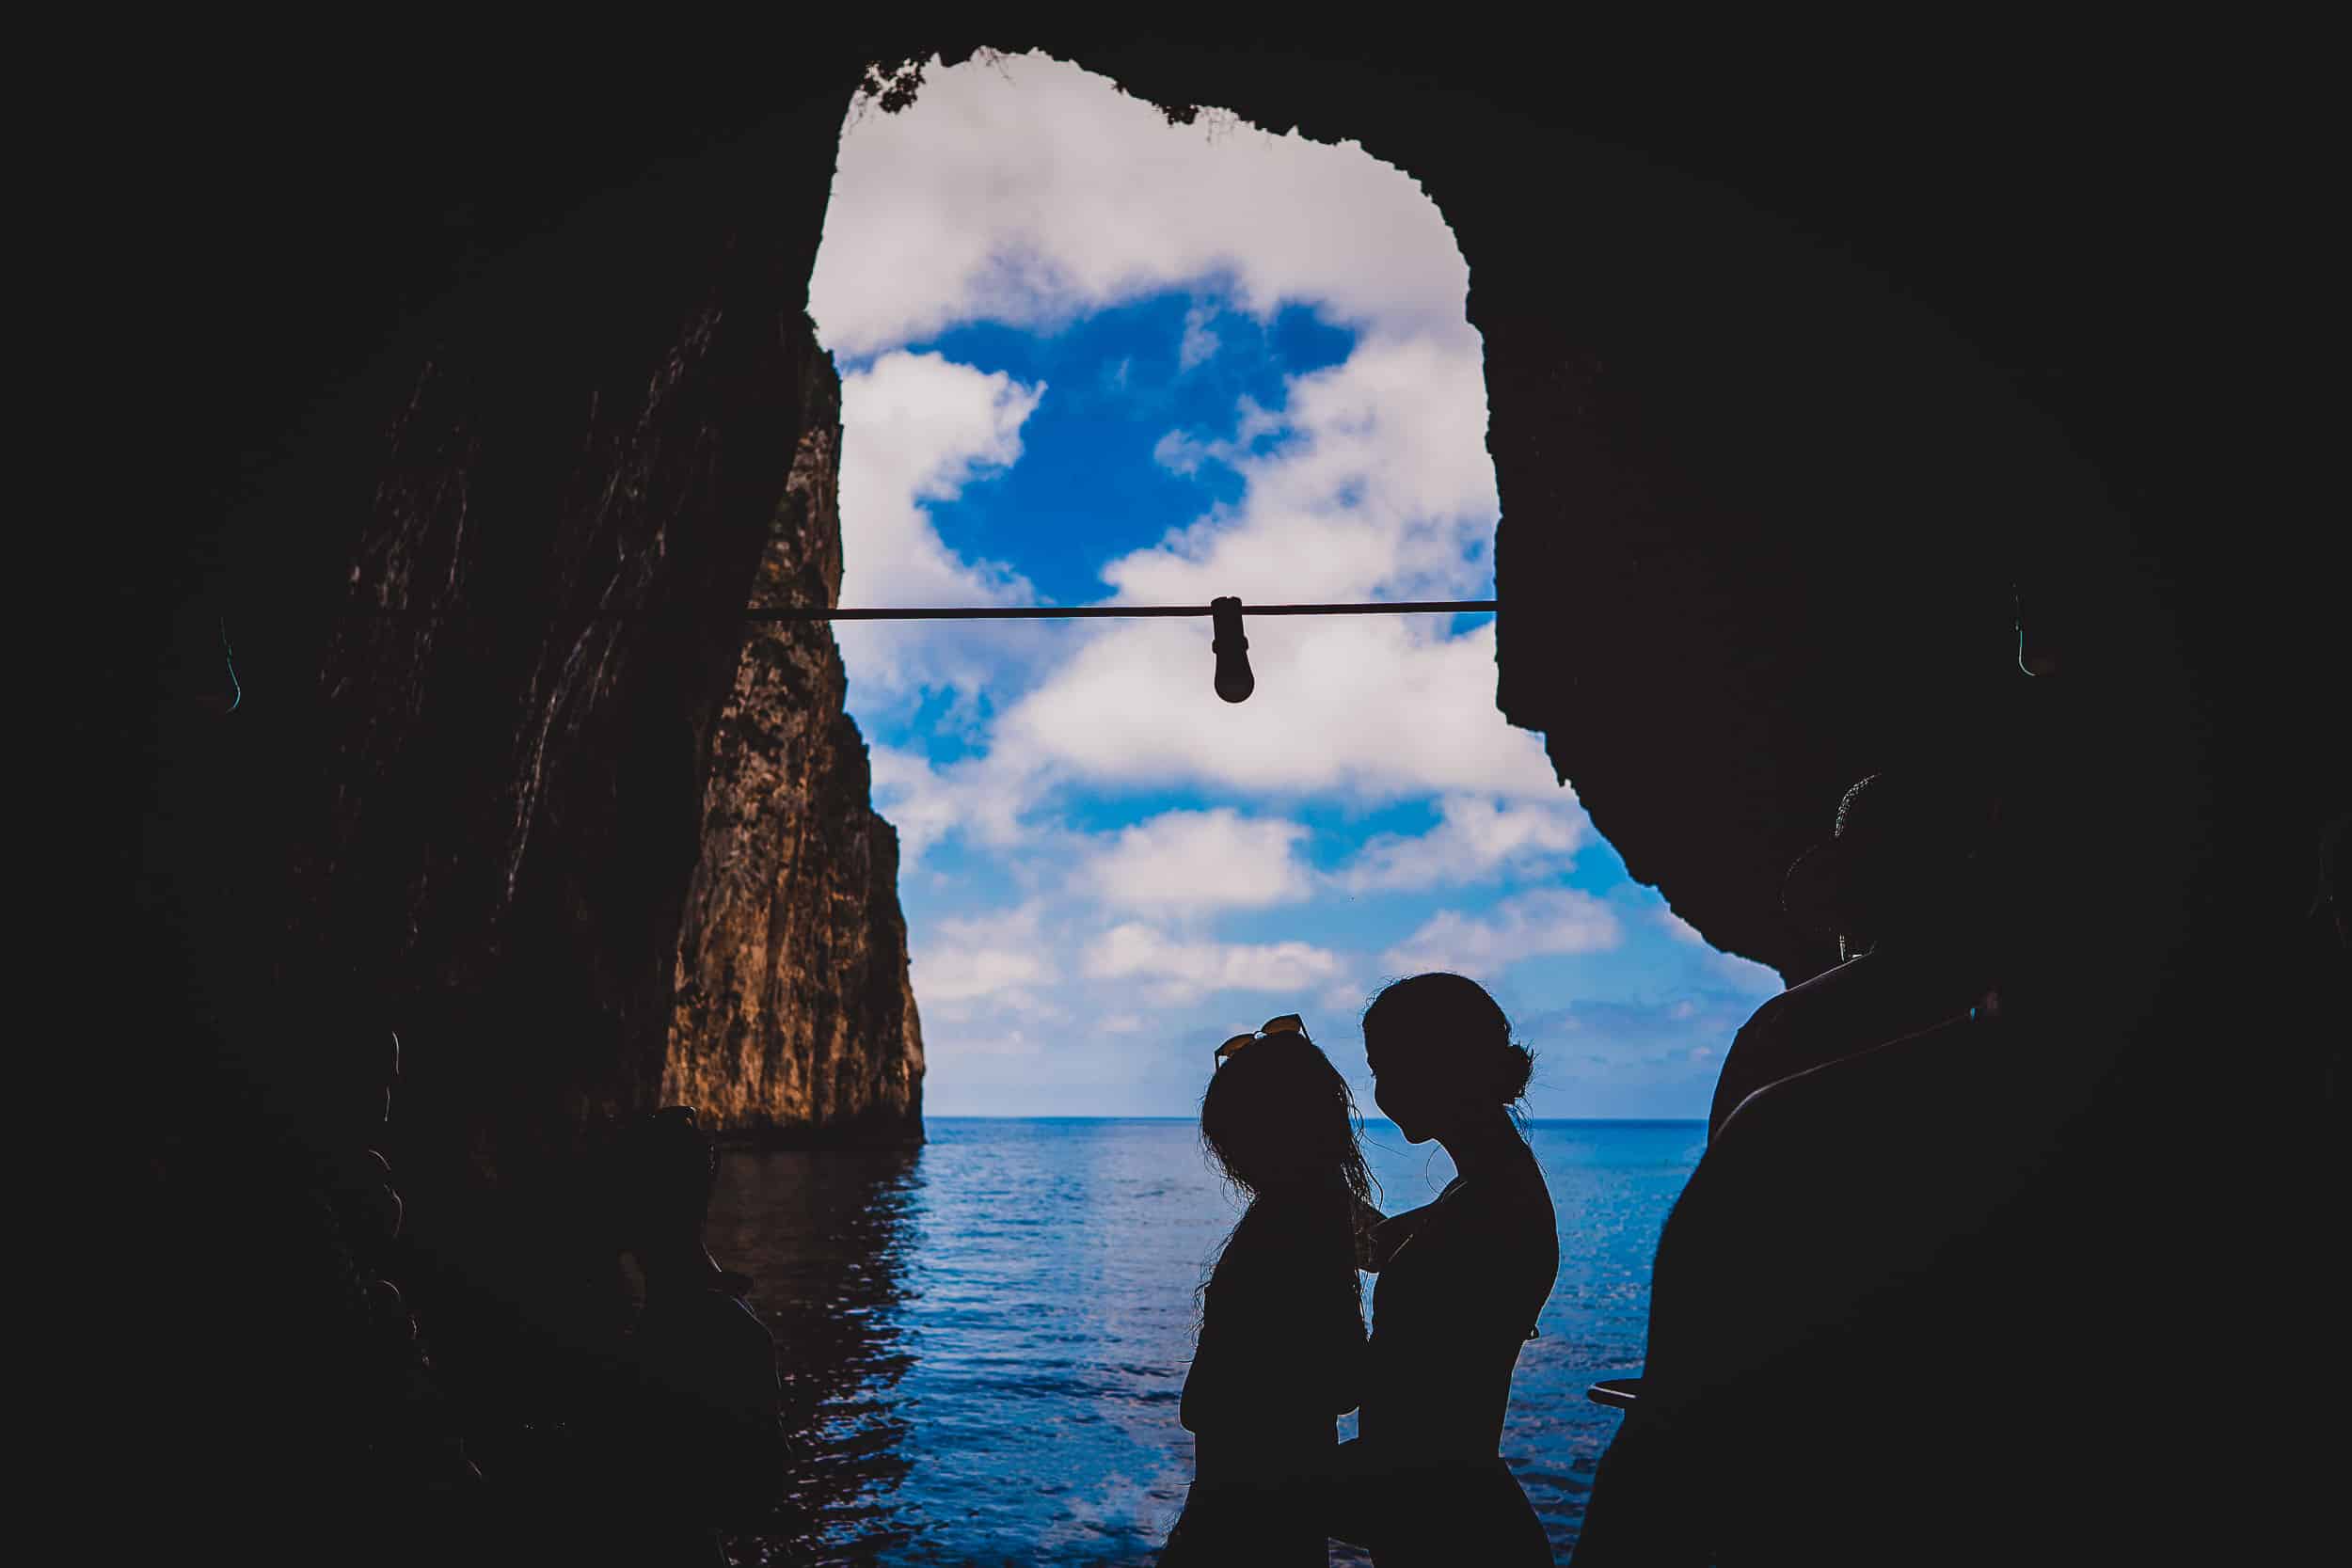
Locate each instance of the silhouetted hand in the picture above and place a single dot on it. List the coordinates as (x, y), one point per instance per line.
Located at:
(1378, 1243)
(1368, 1219)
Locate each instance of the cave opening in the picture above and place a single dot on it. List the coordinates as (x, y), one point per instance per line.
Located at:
(463, 816)
(1093, 351)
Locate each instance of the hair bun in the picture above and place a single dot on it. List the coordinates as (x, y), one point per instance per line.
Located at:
(1517, 1064)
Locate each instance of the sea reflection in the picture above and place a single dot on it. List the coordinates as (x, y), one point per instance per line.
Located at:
(982, 1343)
(825, 1236)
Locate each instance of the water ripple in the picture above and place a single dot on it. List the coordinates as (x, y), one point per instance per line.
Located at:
(982, 1343)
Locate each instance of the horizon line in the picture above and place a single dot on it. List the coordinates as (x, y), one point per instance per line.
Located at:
(1063, 1115)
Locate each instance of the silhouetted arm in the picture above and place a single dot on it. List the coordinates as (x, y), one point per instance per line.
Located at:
(747, 1427)
(1378, 1245)
(1368, 1219)
(1651, 1490)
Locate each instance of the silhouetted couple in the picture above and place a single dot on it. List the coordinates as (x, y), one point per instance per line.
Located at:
(1282, 1350)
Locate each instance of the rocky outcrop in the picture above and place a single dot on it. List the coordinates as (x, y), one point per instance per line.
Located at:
(531, 705)
(792, 1014)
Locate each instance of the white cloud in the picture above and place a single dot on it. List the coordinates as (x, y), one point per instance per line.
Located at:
(1033, 192)
(1476, 837)
(1180, 970)
(1012, 1042)
(1372, 479)
(1180, 454)
(959, 973)
(1377, 485)
(1199, 859)
(1746, 976)
(1750, 977)
(1679, 928)
(994, 955)
(918, 428)
(1371, 707)
(1198, 343)
(1346, 998)
(985, 800)
(1554, 920)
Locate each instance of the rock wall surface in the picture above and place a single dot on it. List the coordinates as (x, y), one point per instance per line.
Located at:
(792, 1014)
(488, 616)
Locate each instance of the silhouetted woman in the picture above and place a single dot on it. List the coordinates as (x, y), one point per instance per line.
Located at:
(1462, 1281)
(1281, 1346)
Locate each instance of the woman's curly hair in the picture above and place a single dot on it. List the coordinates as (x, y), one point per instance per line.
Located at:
(1278, 1113)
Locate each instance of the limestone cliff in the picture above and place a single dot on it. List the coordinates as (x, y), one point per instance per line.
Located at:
(792, 1015)
(495, 756)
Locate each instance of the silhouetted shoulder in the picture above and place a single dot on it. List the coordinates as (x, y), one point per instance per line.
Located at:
(1843, 1012)
(1279, 1251)
(1916, 1069)
(710, 1347)
(1756, 1044)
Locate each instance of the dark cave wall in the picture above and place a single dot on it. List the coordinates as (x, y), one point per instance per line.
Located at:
(1777, 455)
(488, 616)
(792, 1015)
(1796, 377)
(1797, 356)
(1760, 510)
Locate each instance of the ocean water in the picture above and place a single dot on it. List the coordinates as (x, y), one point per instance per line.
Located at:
(982, 1342)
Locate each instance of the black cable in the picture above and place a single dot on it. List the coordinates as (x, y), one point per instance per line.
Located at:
(1073, 612)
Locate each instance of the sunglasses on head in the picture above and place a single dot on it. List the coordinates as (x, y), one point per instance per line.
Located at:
(1289, 1023)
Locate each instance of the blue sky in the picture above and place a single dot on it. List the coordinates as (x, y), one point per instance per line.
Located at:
(1091, 358)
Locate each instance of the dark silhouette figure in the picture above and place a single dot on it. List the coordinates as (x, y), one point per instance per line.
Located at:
(1280, 1353)
(1462, 1281)
(1900, 887)
(1832, 1325)
(1834, 1306)
(694, 1438)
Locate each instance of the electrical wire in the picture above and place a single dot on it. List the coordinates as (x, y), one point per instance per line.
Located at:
(1077, 613)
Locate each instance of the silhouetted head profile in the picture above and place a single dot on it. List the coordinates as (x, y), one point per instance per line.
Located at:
(1898, 860)
(659, 1172)
(1277, 1115)
(1441, 1054)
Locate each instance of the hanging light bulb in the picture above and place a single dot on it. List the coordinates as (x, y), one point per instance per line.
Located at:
(1234, 683)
